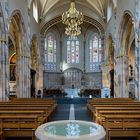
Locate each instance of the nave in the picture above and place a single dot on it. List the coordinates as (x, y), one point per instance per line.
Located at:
(70, 51)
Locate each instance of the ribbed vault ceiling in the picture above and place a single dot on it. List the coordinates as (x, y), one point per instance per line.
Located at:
(98, 6)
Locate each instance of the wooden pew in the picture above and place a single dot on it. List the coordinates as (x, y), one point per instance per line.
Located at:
(121, 125)
(110, 99)
(19, 125)
(24, 115)
(40, 113)
(35, 101)
(102, 101)
(2, 135)
(17, 108)
(49, 109)
(93, 107)
(102, 113)
(120, 117)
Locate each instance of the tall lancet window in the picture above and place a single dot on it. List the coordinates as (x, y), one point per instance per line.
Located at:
(50, 53)
(73, 46)
(95, 52)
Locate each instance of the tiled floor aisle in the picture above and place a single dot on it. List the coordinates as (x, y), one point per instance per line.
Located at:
(62, 113)
(81, 113)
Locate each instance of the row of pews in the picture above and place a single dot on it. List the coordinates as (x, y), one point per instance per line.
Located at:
(119, 116)
(21, 117)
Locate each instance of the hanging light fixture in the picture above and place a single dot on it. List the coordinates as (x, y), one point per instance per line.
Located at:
(72, 19)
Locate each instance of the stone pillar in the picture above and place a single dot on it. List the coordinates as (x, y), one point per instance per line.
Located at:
(103, 48)
(61, 57)
(19, 76)
(27, 58)
(137, 50)
(4, 87)
(103, 63)
(122, 77)
(105, 75)
(84, 43)
(116, 47)
(4, 61)
(41, 64)
(26, 70)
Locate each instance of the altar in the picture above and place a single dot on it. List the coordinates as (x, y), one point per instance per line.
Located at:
(72, 93)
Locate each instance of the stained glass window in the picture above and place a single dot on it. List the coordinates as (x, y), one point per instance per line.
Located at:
(50, 53)
(95, 51)
(73, 50)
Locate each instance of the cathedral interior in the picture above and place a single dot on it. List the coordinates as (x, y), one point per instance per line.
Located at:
(73, 54)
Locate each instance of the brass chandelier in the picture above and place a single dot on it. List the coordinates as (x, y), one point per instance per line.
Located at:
(72, 19)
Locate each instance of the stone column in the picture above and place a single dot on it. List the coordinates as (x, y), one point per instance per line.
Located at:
(122, 79)
(27, 61)
(4, 61)
(41, 64)
(105, 76)
(4, 87)
(103, 65)
(61, 57)
(137, 50)
(19, 76)
(26, 70)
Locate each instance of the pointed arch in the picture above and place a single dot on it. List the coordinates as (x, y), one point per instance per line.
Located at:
(125, 31)
(17, 32)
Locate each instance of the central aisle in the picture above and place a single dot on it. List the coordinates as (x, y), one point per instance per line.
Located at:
(71, 112)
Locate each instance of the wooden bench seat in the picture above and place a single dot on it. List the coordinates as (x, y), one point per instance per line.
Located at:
(13, 126)
(40, 113)
(117, 110)
(50, 106)
(119, 117)
(110, 99)
(20, 118)
(103, 113)
(114, 124)
(46, 110)
(92, 107)
(1, 135)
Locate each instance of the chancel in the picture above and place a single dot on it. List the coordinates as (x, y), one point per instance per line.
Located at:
(69, 61)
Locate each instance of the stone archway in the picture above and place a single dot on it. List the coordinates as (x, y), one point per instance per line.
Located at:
(17, 35)
(125, 35)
